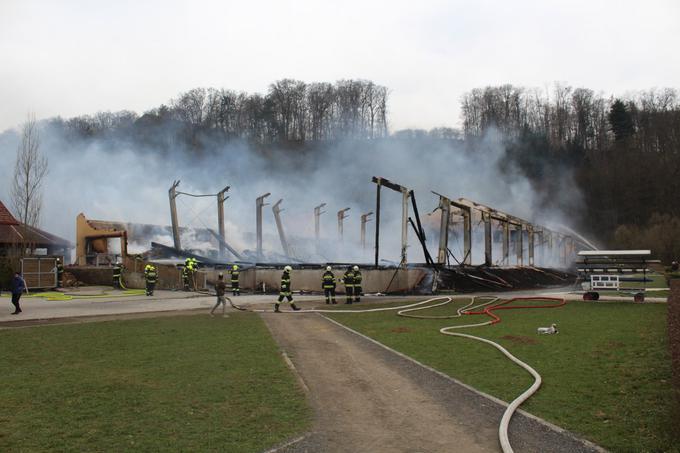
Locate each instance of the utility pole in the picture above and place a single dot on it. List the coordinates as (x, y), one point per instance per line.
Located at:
(172, 193)
(317, 224)
(506, 243)
(341, 217)
(519, 245)
(259, 204)
(488, 239)
(404, 223)
(377, 220)
(220, 218)
(279, 227)
(443, 252)
(364, 220)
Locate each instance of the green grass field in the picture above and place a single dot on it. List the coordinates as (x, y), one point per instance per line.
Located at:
(187, 383)
(606, 375)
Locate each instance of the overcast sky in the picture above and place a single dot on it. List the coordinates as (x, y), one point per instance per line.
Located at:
(77, 57)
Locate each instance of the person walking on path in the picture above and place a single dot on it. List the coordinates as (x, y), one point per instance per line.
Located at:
(220, 290)
(285, 290)
(18, 287)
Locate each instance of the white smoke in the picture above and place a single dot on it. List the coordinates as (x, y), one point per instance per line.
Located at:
(114, 180)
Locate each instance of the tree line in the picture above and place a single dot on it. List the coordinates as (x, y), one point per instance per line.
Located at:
(621, 156)
(624, 155)
(290, 111)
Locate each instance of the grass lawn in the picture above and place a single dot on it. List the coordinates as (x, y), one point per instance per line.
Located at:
(606, 375)
(186, 383)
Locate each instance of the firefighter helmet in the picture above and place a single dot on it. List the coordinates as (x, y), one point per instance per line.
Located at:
(234, 267)
(328, 268)
(287, 269)
(356, 268)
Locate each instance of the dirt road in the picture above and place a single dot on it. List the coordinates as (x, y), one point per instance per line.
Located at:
(369, 399)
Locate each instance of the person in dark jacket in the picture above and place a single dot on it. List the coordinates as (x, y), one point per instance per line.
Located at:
(118, 275)
(151, 277)
(220, 289)
(235, 289)
(328, 284)
(18, 287)
(186, 276)
(285, 291)
(60, 273)
(357, 284)
(348, 280)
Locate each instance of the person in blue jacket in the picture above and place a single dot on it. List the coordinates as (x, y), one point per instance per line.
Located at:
(18, 287)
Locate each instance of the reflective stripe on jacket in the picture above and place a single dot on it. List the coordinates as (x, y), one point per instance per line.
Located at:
(348, 278)
(328, 280)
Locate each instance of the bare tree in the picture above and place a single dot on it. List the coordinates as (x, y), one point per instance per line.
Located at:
(29, 171)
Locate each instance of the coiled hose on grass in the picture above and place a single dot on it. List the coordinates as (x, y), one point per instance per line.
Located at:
(488, 304)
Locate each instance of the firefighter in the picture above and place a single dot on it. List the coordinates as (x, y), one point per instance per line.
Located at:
(357, 284)
(186, 276)
(285, 290)
(151, 277)
(235, 290)
(348, 280)
(118, 275)
(328, 284)
(190, 266)
(60, 273)
(194, 270)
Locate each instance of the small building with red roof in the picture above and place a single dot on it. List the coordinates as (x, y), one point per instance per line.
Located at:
(15, 234)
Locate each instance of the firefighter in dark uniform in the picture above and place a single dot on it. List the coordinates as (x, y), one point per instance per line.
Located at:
(186, 276)
(328, 284)
(235, 290)
(151, 277)
(357, 284)
(348, 280)
(285, 290)
(118, 275)
(60, 273)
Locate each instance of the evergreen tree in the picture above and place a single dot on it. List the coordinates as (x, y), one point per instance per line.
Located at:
(621, 121)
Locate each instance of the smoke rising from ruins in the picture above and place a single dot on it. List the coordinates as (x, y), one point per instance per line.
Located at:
(113, 180)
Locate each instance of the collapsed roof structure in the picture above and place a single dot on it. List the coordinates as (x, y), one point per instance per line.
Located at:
(14, 234)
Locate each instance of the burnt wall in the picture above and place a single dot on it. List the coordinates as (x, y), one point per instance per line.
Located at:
(267, 279)
(91, 275)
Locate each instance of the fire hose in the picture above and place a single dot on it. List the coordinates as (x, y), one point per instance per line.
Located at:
(512, 407)
(489, 306)
(58, 296)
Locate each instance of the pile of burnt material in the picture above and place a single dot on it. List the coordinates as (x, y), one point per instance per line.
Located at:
(483, 278)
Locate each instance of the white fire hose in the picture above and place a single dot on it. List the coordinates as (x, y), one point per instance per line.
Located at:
(403, 309)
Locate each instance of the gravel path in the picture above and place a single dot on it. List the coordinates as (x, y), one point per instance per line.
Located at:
(369, 399)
